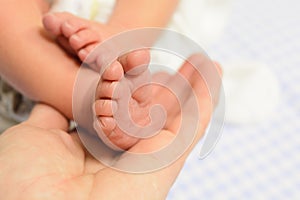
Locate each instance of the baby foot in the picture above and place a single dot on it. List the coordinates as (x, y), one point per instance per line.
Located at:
(121, 111)
(76, 35)
(123, 99)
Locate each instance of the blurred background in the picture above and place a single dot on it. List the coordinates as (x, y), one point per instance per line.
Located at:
(258, 155)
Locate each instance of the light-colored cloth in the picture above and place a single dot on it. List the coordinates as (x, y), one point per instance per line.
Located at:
(252, 91)
(14, 107)
(98, 10)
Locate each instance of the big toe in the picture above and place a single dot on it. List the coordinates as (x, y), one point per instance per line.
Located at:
(53, 21)
(136, 62)
(114, 72)
(63, 23)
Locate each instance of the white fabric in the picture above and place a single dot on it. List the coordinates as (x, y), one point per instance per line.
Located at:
(85, 8)
(251, 90)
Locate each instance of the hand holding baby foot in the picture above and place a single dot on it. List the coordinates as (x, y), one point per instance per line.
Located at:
(81, 36)
(128, 73)
(58, 166)
(124, 114)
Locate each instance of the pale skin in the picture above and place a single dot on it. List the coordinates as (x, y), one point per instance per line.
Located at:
(79, 37)
(45, 76)
(24, 63)
(51, 164)
(52, 83)
(65, 27)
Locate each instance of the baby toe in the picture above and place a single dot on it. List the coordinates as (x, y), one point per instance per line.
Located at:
(83, 38)
(105, 107)
(132, 60)
(114, 72)
(106, 89)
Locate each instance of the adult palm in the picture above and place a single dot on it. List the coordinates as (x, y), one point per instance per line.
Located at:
(40, 160)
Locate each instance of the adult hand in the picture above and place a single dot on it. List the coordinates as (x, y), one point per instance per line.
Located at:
(40, 160)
